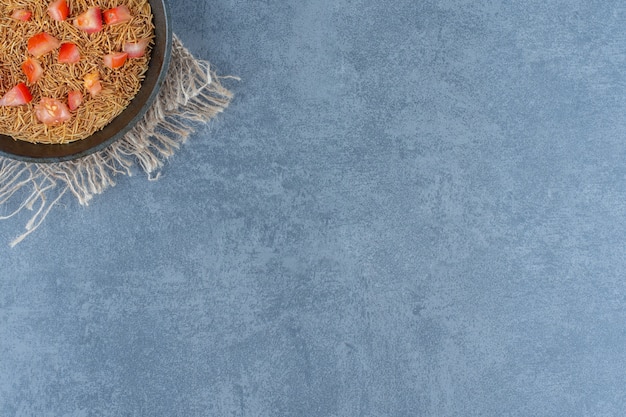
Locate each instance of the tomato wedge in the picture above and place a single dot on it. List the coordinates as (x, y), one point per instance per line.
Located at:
(69, 53)
(21, 14)
(18, 95)
(117, 15)
(136, 49)
(58, 10)
(42, 43)
(74, 99)
(51, 111)
(115, 60)
(32, 69)
(89, 21)
(93, 84)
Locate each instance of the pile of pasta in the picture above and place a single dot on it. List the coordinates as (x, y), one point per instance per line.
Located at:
(67, 68)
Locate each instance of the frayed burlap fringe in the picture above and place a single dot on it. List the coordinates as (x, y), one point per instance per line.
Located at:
(191, 93)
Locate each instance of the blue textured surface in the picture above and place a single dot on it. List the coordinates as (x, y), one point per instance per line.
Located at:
(412, 208)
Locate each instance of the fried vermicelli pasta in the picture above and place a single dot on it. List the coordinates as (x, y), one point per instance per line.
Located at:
(59, 79)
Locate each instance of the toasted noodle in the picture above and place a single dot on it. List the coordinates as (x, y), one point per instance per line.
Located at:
(119, 85)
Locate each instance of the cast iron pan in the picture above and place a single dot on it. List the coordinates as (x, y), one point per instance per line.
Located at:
(157, 69)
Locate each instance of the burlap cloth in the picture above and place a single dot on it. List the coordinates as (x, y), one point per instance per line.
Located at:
(191, 93)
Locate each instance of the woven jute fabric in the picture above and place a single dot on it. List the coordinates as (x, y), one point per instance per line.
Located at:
(190, 94)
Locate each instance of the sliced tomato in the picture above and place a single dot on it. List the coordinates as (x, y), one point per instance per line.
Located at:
(69, 53)
(58, 10)
(136, 49)
(89, 21)
(18, 95)
(93, 84)
(74, 99)
(115, 60)
(51, 111)
(22, 14)
(32, 69)
(42, 43)
(117, 15)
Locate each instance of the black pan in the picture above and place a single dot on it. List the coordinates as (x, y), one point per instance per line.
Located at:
(157, 69)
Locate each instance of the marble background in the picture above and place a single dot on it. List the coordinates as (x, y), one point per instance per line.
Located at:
(412, 208)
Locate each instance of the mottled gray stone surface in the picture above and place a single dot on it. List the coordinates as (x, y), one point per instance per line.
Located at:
(412, 208)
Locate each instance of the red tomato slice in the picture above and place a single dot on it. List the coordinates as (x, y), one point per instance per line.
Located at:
(21, 14)
(58, 10)
(18, 95)
(32, 69)
(89, 21)
(93, 84)
(117, 15)
(74, 99)
(42, 43)
(136, 49)
(115, 60)
(51, 111)
(68, 53)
